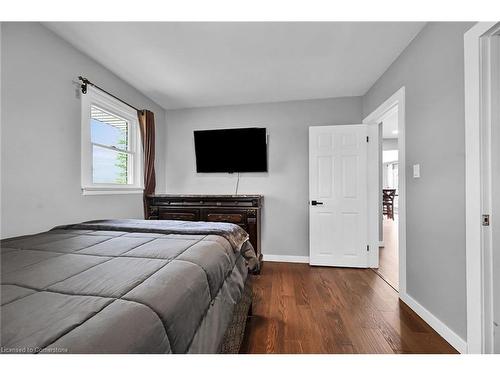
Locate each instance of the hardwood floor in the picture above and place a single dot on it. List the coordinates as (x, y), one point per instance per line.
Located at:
(303, 309)
(389, 256)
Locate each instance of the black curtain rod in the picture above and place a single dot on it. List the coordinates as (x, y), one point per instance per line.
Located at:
(86, 82)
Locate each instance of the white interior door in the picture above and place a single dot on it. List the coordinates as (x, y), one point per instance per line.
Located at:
(338, 192)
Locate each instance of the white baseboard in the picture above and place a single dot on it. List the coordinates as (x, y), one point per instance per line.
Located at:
(446, 332)
(285, 258)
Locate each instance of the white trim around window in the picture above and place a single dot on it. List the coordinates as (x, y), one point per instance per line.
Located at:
(134, 180)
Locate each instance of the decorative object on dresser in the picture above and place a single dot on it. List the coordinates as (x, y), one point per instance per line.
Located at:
(243, 210)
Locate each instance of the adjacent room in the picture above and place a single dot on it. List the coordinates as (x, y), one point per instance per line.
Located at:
(389, 253)
(247, 187)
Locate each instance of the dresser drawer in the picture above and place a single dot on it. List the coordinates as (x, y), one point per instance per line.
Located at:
(234, 218)
(179, 214)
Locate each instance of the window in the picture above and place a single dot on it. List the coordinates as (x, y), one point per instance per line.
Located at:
(111, 151)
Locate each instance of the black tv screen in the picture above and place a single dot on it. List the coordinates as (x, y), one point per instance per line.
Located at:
(231, 150)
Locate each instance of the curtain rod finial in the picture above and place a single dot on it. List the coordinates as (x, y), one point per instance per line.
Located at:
(83, 86)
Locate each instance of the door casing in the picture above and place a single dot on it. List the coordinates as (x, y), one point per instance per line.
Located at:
(478, 122)
(373, 120)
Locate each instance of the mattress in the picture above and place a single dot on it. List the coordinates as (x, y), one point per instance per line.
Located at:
(122, 287)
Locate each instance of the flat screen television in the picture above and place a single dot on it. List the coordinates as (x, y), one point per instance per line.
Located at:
(231, 150)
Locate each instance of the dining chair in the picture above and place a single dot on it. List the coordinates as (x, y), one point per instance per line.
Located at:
(388, 196)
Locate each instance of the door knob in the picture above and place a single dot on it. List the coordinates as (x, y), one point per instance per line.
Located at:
(315, 203)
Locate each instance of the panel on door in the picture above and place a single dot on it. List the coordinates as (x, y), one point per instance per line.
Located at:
(338, 212)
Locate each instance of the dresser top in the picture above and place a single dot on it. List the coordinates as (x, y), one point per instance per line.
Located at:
(205, 196)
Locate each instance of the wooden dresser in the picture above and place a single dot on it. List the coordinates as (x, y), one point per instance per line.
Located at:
(243, 210)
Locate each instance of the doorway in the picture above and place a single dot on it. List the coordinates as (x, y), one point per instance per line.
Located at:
(388, 268)
(389, 261)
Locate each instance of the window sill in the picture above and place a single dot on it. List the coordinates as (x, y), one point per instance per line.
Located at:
(111, 191)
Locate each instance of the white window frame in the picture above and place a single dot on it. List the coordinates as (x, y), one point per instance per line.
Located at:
(95, 97)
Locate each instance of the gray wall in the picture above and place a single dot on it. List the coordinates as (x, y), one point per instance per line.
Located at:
(432, 70)
(285, 187)
(40, 119)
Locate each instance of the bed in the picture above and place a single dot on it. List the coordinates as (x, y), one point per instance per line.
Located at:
(126, 286)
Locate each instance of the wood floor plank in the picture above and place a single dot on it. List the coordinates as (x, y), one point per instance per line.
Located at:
(303, 309)
(389, 255)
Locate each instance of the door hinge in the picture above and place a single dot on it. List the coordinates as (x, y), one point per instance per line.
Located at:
(367, 138)
(367, 247)
(485, 220)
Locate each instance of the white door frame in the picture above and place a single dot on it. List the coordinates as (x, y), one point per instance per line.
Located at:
(477, 130)
(396, 100)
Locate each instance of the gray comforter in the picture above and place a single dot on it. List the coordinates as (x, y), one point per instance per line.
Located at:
(124, 286)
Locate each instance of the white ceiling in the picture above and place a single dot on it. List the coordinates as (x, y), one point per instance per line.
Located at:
(196, 64)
